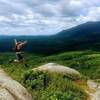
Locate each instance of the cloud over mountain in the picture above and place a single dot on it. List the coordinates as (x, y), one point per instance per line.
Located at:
(38, 17)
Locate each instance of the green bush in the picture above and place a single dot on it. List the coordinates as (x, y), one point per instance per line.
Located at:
(52, 86)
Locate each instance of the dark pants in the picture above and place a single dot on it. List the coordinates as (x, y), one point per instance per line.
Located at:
(19, 56)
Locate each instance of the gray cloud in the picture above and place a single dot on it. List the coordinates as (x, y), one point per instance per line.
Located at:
(45, 16)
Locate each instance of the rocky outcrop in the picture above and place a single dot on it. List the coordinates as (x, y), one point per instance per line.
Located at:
(95, 95)
(53, 67)
(11, 89)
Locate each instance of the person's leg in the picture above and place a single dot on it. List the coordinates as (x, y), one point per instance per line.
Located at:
(11, 60)
(14, 60)
(19, 57)
(25, 65)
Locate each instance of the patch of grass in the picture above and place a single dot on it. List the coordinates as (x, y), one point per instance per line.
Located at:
(86, 62)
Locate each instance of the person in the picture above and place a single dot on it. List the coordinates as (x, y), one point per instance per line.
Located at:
(18, 48)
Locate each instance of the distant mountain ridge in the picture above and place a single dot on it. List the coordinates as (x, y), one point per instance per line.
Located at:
(81, 37)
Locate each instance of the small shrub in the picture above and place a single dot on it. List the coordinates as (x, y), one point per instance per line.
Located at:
(52, 86)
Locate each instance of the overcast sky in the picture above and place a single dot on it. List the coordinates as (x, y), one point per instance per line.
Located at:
(45, 17)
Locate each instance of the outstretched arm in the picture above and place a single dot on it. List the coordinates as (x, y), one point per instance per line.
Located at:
(15, 41)
(23, 43)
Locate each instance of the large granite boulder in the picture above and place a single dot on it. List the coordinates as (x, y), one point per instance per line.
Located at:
(56, 68)
(11, 89)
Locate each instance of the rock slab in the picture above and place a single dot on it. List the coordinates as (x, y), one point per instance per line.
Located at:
(53, 67)
(11, 89)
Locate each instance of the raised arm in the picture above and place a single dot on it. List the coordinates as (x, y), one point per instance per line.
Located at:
(23, 43)
(15, 41)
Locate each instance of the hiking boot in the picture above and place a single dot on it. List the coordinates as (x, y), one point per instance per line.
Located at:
(11, 60)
